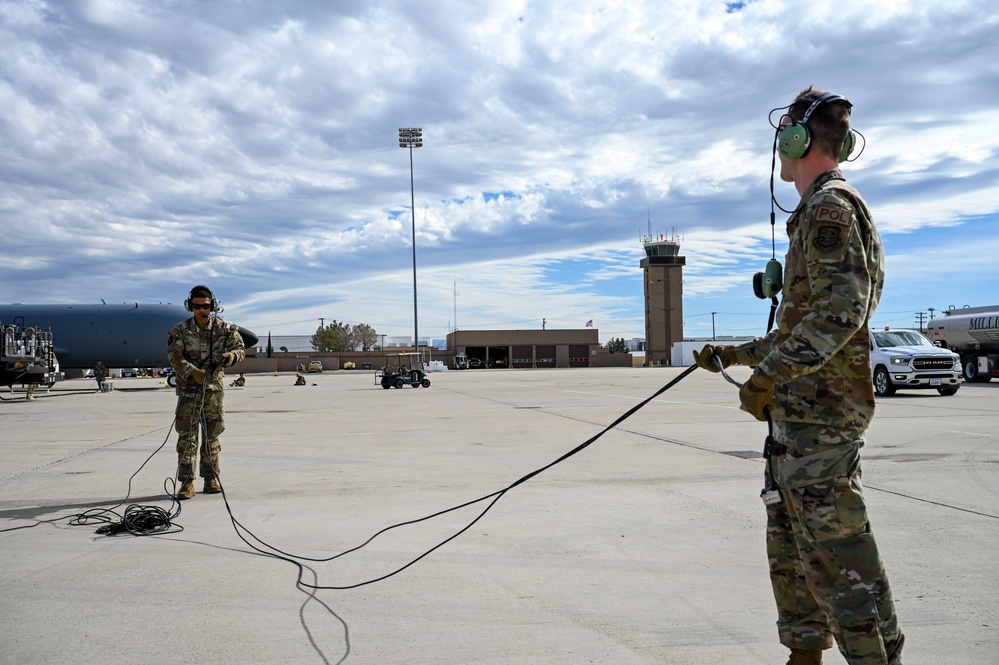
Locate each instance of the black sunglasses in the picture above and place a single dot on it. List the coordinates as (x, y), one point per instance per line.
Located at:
(206, 305)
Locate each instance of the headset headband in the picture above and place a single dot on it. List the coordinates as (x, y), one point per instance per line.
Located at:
(825, 98)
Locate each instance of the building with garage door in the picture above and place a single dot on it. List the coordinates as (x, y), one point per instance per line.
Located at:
(533, 348)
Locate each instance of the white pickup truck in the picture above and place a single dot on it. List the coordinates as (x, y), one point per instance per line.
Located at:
(907, 359)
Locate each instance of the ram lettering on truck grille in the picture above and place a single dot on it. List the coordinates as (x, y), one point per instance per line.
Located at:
(932, 363)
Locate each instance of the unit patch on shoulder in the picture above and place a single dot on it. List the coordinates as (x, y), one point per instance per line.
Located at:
(824, 214)
(827, 238)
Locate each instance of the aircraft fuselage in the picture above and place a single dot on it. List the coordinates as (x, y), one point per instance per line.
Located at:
(130, 335)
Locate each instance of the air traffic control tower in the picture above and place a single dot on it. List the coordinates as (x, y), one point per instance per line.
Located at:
(662, 269)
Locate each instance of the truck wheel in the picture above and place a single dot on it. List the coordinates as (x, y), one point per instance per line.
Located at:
(172, 380)
(425, 383)
(399, 383)
(969, 366)
(947, 391)
(882, 383)
(386, 385)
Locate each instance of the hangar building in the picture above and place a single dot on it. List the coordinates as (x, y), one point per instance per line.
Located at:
(534, 348)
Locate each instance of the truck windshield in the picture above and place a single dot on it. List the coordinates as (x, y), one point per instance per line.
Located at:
(891, 338)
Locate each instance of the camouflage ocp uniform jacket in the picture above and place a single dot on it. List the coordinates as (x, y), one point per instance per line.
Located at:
(819, 352)
(191, 347)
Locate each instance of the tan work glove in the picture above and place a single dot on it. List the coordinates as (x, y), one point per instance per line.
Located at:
(198, 375)
(228, 359)
(757, 393)
(723, 352)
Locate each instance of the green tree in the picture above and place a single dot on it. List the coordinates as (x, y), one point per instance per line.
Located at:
(338, 336)
(617, 345)
(344, 337)
(325, 338)
(364, 337)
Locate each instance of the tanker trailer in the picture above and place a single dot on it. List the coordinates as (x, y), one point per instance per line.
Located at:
(973, 333)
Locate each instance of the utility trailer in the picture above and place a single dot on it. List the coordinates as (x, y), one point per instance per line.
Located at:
(27, 357)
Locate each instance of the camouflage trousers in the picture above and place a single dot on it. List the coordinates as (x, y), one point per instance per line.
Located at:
(199, 413)
(825, 569)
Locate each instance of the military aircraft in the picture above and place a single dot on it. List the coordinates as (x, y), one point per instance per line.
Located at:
(129, 335)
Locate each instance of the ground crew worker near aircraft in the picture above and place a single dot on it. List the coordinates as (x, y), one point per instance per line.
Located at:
(812, 372)
(200, 348)
(101, 374)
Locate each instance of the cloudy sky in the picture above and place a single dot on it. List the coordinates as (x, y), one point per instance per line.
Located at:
(253, 146)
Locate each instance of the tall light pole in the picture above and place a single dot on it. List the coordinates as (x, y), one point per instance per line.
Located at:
(412, 137)
(713, 325)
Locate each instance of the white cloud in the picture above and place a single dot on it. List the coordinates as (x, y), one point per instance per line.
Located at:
(145, 148)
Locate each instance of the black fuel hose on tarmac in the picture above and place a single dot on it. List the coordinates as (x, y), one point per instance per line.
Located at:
(495, 496)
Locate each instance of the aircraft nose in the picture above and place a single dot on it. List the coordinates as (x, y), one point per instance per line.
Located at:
(249, 339)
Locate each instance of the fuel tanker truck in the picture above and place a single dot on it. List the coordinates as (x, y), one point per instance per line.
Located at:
(973, 333)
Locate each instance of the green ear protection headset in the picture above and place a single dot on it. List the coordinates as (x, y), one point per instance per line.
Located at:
(216, 305)
(795, 139)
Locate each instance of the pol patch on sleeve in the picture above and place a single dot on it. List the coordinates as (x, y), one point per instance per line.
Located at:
(833, 214)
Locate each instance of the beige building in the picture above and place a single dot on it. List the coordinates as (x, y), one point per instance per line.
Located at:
(534, 348)
(485, 348)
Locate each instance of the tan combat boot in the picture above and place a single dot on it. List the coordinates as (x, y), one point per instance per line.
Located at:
(212, 486)
(186, 490)
(805, 657)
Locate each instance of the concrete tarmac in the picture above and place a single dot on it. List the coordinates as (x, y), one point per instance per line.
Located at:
(645, 547)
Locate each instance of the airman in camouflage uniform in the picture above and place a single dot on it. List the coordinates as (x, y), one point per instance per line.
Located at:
(200, 348)
(101, 375)
(826, 572)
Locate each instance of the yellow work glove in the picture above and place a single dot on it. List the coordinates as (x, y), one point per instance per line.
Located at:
(705, 359)
(228, 359)
(198, 375)
(756, 394)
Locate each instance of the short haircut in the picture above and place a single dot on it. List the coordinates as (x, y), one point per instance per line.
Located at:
(201, 292)
(829, 122)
